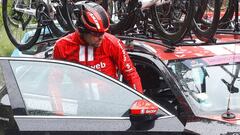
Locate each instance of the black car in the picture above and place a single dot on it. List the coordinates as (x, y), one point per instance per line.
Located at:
(196, 86)
(198, 83)
(84, 101)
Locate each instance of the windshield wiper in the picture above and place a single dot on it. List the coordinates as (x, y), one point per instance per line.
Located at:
(203, 85)
(231, 87)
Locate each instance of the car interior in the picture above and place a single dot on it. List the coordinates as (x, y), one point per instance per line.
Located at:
(154, 84)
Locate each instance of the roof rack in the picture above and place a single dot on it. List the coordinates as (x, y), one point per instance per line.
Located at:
(189, 43)
(186, 42)
(170, 48)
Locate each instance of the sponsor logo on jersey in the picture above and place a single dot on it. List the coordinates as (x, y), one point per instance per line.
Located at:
(123, 51)
(99, 66)
(127, 65)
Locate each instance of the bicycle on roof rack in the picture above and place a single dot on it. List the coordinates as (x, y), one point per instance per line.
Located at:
(229, 22)
(174, 21)
(168, 20)
(171, 21)
(206, 19)
(32, 17)
(40, 17)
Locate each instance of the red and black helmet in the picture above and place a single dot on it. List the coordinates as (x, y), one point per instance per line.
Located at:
(92, 17)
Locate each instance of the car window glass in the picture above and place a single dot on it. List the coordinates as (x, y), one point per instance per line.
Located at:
(2, 81)
(5, 100)
(3, 94)
(57, 89)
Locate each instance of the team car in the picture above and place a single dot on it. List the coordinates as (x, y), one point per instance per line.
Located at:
(85, 102)
(195, 84)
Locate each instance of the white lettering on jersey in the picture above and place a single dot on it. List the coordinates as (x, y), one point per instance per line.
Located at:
(123, 52)
(127, 65)
(99, 66)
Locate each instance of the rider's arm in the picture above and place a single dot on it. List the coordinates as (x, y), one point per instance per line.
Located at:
(56, 51)
(125, 66)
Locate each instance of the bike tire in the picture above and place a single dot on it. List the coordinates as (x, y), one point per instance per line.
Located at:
(62, 16)
(8, 20)
(228, 15)
(177, 35)
(127, 21)
(66, 12)
(55, 22)
(205, 30)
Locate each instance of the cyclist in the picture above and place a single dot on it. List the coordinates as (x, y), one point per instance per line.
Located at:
(92, 46)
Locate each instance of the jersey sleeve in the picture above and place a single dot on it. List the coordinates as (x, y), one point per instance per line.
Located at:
(56, 51)
(125, 65)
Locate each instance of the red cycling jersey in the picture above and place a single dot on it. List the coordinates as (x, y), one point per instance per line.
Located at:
(107, 58)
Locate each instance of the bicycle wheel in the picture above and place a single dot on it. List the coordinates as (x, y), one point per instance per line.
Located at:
(52, 18)
(172, 20)
(206, 20)
(109, 6)
(227, 13)
(61, 15)
(68, 14)
(19, 24)
(123, 16)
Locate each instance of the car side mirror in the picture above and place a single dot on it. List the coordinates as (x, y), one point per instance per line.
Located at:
(143, 114)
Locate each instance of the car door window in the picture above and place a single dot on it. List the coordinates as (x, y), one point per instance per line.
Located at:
(58, 89)
(3, 94)
(2, 81)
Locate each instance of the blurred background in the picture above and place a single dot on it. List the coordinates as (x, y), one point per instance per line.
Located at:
(6, 46)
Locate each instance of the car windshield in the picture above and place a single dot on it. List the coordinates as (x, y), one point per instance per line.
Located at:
(210, 81)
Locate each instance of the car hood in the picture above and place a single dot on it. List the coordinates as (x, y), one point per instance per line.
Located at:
(186, 52)
(235, 120)
(211, 125)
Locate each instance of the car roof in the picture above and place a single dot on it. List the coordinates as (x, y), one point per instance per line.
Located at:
(226, 45)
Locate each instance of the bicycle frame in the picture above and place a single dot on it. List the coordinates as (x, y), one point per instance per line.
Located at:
(148, 3)
(31, 11)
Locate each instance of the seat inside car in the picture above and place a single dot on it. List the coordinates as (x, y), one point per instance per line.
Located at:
(152, 81)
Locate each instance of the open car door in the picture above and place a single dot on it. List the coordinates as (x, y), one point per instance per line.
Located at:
(56, 97)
